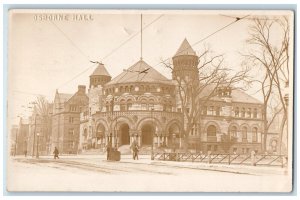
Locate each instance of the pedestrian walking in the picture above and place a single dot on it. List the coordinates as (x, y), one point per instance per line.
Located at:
(135, 152)
(25, 153)
(56, 152)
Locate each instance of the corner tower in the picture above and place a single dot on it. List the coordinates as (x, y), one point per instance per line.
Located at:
(100, 76)
(185, 62)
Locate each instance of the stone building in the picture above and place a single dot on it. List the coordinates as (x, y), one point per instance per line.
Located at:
(22, 136)
(66, 120)
(13, 138)
(143, 105)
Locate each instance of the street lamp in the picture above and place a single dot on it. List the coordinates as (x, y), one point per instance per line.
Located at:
(37, 146)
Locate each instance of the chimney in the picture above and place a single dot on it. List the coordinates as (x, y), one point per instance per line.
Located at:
(81, 89)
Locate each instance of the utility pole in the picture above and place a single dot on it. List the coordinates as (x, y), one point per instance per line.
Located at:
(34, 135)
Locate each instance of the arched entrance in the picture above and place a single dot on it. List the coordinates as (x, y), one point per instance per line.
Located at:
(124, 135)
(147, 134)
(100, 135)
(174, 136)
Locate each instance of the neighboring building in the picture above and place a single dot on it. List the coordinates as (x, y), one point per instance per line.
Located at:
(22, 136)
(13, 138)
(66, 120)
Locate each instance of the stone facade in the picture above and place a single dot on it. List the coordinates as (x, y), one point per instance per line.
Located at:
(141, 104)
(66, 120)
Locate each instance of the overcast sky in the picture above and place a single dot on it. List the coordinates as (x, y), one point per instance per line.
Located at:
(45, 54)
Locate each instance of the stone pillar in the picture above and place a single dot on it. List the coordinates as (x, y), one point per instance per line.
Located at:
(158, 141)
(180, 142)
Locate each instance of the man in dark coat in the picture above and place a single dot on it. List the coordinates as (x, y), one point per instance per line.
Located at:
(55, 152)
(108, 150)
(135, 149)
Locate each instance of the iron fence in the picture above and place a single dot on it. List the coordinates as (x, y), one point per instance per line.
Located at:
(230, 159)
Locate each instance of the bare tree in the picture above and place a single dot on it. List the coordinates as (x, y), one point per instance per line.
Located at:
(43, 110)
(198, 89)
(268, 47)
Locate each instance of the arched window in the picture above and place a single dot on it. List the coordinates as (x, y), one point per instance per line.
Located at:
(244, 132)
(122, 105)
(243, 112)
(151, 104)
(233, 131)
(249, 112)
(211, 130)
(255, 113)
(254, 134)
(143, 104)
(237, 112)
(129, 104)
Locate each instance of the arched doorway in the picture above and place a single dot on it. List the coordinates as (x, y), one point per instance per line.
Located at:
(124, 135)
(174, 136)
(148, 131)
(100, 134)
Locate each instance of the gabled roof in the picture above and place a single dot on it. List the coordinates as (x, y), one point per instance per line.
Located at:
(185, 49)
(132, 74)
(63, 97)
(241, 96)
(237, 96)
(100, 71)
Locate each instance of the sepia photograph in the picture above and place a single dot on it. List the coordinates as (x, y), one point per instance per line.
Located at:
(150, 100)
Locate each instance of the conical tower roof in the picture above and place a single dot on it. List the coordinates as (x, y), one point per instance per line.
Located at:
(100, 71)
(185, 49)
(140, 72)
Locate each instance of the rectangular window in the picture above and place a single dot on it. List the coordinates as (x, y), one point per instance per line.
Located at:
(71, 120)
(211, 110)
(218, 111)
(123, 107)
(72, 108)
(178, 109)
(71, 131)
(208, 147)
(204, 110)
(216, 148)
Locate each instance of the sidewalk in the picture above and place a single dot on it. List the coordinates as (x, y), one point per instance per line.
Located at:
(146, 159)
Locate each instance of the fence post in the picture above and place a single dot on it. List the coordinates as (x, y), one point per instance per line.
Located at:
(209, 157)
(229, 159)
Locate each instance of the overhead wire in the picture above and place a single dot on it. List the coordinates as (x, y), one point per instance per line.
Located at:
(206, 37)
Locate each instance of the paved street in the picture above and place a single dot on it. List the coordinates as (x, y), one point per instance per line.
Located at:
(94, 173)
